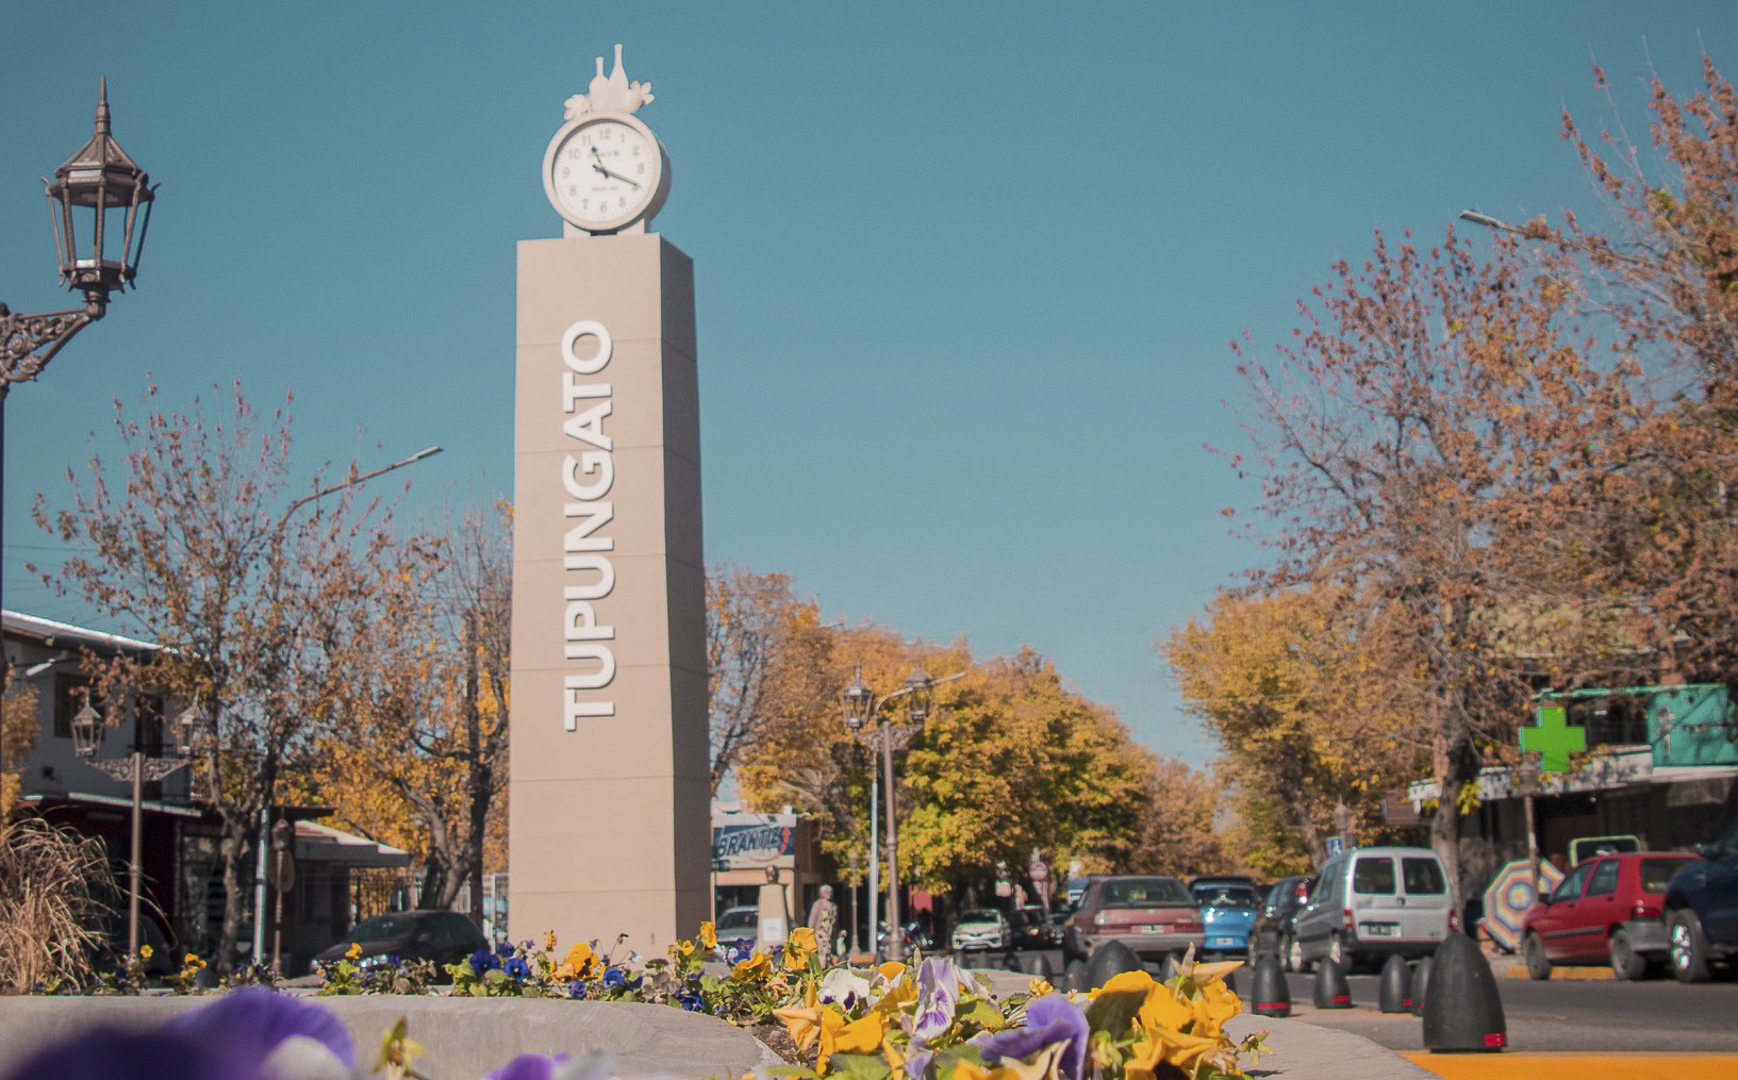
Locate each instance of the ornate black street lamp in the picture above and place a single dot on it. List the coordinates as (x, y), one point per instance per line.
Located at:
(103, 185)
(861, 707)
(87, 740)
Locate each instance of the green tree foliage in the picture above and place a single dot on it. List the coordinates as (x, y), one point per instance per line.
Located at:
(1013, 761)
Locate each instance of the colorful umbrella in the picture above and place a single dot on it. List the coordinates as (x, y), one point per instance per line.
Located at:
(1509, 896)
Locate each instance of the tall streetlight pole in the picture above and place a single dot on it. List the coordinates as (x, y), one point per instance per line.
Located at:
(861, 706)
(87, 739)
(100, 181)
(261, 876)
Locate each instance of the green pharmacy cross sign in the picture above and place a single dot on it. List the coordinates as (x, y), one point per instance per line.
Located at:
(1553, 739)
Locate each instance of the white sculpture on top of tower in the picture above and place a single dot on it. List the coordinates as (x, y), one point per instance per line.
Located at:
(612, 94)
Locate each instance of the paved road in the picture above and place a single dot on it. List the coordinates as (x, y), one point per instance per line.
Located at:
(1567, 1017)
(1555, 1016)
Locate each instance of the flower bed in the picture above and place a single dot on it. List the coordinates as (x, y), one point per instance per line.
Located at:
(929, 1020)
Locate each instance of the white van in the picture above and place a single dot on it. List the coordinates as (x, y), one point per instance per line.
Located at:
(1370, 902)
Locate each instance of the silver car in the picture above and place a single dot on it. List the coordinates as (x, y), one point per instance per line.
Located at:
(983, 929)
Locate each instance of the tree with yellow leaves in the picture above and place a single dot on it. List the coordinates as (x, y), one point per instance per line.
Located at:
(18, 730)
(1308, 713)
(419, 757)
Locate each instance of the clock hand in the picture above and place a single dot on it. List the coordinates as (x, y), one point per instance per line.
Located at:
(613, 175)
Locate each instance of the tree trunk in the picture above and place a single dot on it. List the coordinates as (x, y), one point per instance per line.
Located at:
(236, 848)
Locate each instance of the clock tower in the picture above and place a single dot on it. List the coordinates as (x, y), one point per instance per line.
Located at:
(609, 794)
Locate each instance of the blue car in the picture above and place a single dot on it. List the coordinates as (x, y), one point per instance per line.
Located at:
(1228, 913)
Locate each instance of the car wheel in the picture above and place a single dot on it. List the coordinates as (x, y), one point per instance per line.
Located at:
(1625, 964)
(1337, 953)
(1688, 946)
(1538, 964)
(1294, 957)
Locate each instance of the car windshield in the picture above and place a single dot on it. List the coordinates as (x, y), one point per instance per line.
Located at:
(1227, 896)
(1145, 892)
(383, 928)
(1657, 871)
(741, 919)
(978, 916)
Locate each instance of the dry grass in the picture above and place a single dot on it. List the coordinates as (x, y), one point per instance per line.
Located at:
(53, 884)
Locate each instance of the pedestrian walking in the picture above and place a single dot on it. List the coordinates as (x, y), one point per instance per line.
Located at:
(824, 920)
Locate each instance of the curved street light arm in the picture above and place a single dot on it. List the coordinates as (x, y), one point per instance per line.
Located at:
(29, 342)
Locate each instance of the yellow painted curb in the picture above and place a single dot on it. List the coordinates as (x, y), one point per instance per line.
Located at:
(1565, 974)
(1512, 1066)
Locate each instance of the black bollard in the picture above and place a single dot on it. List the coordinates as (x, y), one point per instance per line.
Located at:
(1038, 966)
(1109, 960)
(1420, 985)
(1395, 993)
(1272, 995)
(1463, 1012)
(1074, 976)
(1332, 991)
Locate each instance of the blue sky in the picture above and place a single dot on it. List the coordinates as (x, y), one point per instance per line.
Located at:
(966, 274)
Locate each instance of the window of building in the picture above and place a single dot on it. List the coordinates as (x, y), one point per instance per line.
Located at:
(71, 693)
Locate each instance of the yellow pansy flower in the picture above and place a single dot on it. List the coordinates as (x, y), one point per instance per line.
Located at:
(579, 958)
(145, 952)
(708, 935)
(804, 1025)
(1162, 1010)
(353, 952)
(891, 970)
(757, 966)
(549, 941)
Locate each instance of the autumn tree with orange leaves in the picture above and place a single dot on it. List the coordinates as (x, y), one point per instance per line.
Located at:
(1421, 442)
(418, 759)
(203, 540)
(1664, 267)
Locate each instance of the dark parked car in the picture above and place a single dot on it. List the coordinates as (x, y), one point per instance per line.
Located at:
(1272, 930)
(1608, 908)
(1702, 909)
(110, 956)
(446, 937)
(1152, 915)
(1032, 928)
(1209, 881)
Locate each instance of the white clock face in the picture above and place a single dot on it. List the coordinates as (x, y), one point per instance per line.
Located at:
(604, 173)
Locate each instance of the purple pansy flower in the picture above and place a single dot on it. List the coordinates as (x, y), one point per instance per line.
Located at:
(248, 1025)
(482, 961)
(529, 1067)
(111, 1054)
(1050, 1019)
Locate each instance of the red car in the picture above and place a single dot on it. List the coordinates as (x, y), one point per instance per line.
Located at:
(1609, 909)
(1153, 915)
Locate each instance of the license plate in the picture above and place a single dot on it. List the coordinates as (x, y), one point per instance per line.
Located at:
(1380, 929)
(1222, 942)
(1154, 929)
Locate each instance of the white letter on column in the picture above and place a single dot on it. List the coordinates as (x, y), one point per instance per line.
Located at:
(605, 346)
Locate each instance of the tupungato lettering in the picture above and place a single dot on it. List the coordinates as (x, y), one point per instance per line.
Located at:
(587, 473)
